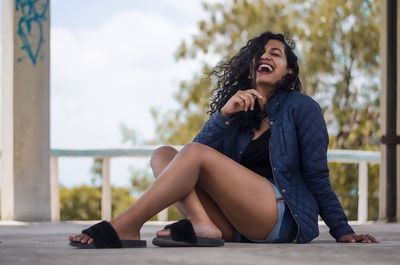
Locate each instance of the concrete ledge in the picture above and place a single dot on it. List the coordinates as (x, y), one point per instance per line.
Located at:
(46, 243)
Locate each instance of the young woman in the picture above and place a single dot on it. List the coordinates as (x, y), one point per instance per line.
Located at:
(256, 172)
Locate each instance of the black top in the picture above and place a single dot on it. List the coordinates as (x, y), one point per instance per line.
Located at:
(256, 156)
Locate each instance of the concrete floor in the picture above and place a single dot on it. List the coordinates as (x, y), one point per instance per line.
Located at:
(46, 243)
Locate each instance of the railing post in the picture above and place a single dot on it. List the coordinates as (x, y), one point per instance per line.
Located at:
(106, 190)
(362, 192)
(54, 189)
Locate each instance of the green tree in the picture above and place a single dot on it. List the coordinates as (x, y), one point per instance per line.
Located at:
(84, 202)
(338, 46)
(73, 203)
(227, 29)
(96, 171)
(345, 81)
(141, 180)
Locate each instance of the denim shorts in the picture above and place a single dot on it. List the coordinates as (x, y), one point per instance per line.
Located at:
(285, 229)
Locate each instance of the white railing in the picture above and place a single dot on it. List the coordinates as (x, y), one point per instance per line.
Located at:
(362, 158)
(105, 155)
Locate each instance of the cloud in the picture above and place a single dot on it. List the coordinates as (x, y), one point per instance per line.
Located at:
(111, 74)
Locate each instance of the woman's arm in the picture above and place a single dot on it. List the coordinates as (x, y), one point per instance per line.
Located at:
(213, 130)
(313, 144)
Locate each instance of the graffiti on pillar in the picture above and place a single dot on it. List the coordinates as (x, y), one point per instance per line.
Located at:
(30, 27)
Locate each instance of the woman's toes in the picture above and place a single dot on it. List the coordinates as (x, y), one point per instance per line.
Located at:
(74, 238)
(85, 239)
(82, 238)
(164, 232)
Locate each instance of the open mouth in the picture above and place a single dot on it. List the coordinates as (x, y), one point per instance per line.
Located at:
(266, 68)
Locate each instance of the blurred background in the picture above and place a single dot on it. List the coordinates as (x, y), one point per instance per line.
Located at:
(134, 73)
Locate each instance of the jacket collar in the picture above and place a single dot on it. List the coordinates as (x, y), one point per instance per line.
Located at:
(275, 102)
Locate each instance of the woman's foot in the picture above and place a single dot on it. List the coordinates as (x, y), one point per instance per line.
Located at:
(201, 229)
(86, 239)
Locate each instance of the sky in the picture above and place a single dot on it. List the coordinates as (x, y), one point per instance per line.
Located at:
(111, 63)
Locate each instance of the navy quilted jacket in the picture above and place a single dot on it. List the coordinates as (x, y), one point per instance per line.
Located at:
(298, 153)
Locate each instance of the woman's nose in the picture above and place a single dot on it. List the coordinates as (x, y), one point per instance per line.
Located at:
(265, 56)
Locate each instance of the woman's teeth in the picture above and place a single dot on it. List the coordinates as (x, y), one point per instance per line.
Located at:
(265, 68)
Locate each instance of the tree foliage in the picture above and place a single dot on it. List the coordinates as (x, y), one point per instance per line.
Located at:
(84, 202)
(141, 180)
(338, 46)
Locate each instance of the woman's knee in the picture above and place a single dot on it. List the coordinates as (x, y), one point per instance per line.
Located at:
(194, 148)
(160, 154)
(201, 153)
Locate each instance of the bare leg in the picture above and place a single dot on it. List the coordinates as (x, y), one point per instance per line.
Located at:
(205, 215)
(247, 199)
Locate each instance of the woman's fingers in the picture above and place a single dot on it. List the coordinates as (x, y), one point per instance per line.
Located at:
(249, 96)
(358, 238)
(369, 239)
(372, 238)
(245, 100)
(366, 239)
(255, 92)
(252, 100)
(248, 99)
(257, 95)
(347, 239)
(240, 101)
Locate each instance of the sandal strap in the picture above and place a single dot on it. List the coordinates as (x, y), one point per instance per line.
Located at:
(182, 231)
(104, 235)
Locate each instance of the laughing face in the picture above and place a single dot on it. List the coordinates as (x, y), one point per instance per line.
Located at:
(273, 64)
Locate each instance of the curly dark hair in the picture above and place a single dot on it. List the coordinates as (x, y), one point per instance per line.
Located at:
(236, 74)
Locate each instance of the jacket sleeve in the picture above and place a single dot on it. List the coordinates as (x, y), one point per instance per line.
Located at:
(313, 145)
(213, 131)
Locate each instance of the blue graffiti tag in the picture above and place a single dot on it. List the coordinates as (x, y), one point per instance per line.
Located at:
(30, 28)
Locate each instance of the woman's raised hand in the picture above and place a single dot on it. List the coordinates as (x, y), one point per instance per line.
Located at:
(243, 100)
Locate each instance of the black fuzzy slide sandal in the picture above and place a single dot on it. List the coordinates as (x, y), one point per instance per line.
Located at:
(183, 235)
(104, 236)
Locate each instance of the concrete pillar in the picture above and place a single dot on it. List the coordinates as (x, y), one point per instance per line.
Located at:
(382, 173)
(398, 109)
(25, 183)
